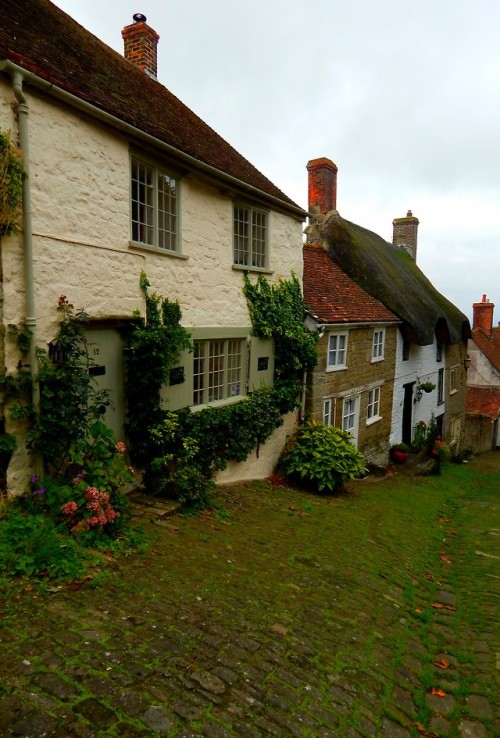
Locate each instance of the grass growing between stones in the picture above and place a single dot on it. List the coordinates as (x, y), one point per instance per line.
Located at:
(293, 613)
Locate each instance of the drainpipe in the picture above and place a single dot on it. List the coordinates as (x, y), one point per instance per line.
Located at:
(21, 108)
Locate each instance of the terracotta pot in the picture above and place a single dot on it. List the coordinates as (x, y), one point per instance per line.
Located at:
(398, 456)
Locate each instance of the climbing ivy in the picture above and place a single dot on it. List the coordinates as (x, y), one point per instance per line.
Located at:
(152, 347)
(12, 175)
(277, 311)
(181, 451)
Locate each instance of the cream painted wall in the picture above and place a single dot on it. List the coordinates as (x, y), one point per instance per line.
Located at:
(79, 178)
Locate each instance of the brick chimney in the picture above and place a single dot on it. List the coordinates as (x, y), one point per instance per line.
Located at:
(322, 185)
(404, 233)
(483, 316)
(140, 45)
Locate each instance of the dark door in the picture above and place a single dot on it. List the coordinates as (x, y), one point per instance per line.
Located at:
(408, 412)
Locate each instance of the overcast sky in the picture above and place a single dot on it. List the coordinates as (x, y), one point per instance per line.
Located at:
(403, 97)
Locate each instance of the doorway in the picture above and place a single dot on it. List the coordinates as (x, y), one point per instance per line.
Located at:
(105, 347)
(407, 425)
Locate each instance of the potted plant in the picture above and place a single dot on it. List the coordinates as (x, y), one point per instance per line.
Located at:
(399, 452)
(426, 386)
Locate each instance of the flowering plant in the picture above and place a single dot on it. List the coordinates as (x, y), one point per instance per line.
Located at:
(95, 511)
(440, 449)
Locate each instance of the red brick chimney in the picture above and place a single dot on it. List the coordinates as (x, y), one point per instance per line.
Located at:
(483, 316)
(404, 233)
(322, 185)
(140, 42)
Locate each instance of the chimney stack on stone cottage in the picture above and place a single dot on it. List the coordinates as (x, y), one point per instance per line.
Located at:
(140, 45)
(404, 233)
(483, 316)
(322, 185)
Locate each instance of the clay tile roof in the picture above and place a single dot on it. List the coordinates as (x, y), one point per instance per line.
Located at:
(483, 401)
(490, 347)
(42, 39)
(333, 297)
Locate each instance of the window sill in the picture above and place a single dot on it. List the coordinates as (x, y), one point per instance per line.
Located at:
(376, 361)
(440, 402)
(374, 420)
(153, 249)
(243, 268)
(453, 392)
(340, 368)
(218, 403)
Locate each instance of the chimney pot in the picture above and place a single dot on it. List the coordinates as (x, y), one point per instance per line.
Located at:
(140, 45)
(322, 185)
(404, 233)
(483, 316)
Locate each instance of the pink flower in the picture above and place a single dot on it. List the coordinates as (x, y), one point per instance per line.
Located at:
(69, 508)
(120, 447)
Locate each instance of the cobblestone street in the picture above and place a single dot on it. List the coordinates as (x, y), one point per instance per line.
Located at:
(282, 614)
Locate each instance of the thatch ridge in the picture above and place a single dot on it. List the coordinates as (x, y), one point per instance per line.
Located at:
(388, 273)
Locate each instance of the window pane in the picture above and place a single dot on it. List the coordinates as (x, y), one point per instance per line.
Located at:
(198, 373)
(349, 415)
(233, 368)
(142, 202)
(241, 235)
(215, 370)
(167, 209)
(259, 239)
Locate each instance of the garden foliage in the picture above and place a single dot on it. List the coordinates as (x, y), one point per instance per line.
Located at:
(322, 456)
(181, 451)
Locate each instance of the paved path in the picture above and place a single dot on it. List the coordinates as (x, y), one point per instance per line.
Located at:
(374, 614)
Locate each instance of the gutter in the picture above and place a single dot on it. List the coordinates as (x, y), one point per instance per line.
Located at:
(22, 110)
(131, 130)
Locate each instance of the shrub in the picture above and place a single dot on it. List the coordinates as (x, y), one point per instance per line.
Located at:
(322, 455)
(33, 546)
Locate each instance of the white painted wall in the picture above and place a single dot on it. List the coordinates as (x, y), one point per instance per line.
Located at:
(420, 367)
(79, 180)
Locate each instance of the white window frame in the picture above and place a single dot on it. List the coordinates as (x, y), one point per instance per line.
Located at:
(378, 344)
(327, 411)
(373, 406)
(336, 356)
(219, 370)
(250, 237)
(154, 209)
(350, 417)
(453, 381)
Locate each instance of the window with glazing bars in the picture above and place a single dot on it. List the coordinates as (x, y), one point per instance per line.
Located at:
(349, 414)
(154, 206)
(337, 350)
(378, 345)
(250, 237)
(217, 370)
(373, 406)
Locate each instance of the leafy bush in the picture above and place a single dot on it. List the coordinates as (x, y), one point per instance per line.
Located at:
(175, 470)
(323, 456)
(33, 546)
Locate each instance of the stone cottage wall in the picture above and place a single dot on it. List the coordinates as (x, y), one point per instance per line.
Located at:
(80, 187)
(358, 378)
